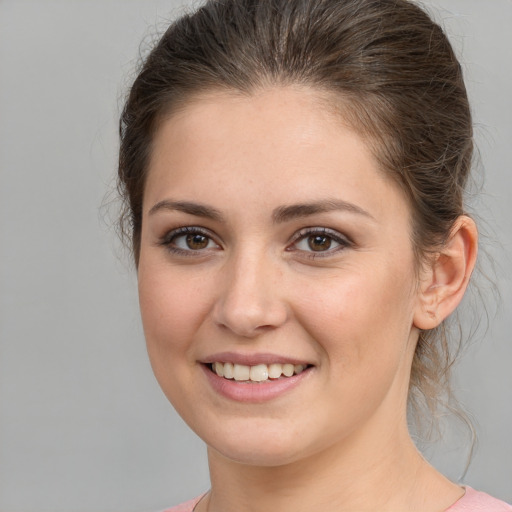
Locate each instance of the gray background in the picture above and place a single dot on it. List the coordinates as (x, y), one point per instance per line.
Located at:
(83, 425)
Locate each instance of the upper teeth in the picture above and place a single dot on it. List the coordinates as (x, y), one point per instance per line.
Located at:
(258, 373)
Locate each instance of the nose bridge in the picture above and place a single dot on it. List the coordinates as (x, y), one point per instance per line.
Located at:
(250, 300)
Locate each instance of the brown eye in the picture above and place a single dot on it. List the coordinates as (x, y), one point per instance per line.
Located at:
(189, 240)
(319, 242)
(197, 241)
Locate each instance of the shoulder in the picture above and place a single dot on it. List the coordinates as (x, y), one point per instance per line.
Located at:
(476, 501)
(188, 506)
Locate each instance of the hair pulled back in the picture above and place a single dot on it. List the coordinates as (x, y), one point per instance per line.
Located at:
(390, 70)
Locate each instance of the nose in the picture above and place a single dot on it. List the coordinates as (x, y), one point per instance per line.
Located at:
(251, 299)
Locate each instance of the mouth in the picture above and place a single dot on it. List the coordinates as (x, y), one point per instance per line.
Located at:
(258, 373)
(255, 378)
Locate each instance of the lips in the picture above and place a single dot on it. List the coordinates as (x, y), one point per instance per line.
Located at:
(257, 373)
(254, 378)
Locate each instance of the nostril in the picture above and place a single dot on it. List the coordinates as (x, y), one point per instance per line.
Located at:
(249, 322)
(249, 303)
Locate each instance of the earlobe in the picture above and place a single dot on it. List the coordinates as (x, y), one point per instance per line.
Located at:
(444, 282)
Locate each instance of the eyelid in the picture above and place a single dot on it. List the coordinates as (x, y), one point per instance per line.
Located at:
(344, 241)
(167, 239)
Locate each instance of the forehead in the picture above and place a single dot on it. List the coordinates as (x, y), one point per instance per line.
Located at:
(224, 116)
(280, 144)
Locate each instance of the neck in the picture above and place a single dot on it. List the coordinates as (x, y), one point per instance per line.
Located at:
(389, 475)
(376, 467)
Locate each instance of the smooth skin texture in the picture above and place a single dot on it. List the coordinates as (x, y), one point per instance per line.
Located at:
(335, 284)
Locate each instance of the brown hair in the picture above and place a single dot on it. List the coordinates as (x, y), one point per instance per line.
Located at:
(390, 66)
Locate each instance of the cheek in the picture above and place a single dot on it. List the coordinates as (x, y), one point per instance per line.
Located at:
(361, 324)
(362, 319)
(172, 310)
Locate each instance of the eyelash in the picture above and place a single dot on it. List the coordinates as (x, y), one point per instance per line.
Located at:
(333, 235)
(343, 242)
(170, 238)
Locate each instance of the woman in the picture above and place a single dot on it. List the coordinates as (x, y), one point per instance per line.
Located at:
(294, 173)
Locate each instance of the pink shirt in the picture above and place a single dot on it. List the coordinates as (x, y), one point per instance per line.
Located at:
(475, 501)
(472, 501)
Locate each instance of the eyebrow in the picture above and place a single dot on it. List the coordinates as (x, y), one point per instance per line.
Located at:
(196, 209)
(279, 215)
(295, 211)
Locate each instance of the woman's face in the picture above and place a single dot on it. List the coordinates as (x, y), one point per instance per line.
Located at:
(271, 243)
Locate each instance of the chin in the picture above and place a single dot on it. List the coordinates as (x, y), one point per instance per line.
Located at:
(261, 455)
(256, 446)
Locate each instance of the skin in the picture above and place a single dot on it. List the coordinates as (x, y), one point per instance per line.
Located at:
(352, 311)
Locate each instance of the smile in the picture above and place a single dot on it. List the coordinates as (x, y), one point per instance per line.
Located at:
(257, 373)
(256, 377)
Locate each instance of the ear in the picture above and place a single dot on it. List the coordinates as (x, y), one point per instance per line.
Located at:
(444, 281)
